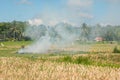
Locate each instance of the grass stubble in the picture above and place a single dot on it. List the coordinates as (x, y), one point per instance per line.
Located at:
(18, 68)
(24, 67)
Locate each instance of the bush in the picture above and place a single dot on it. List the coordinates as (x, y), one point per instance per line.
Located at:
(83, 60)
(67, 59)
(27, 38)
(115, 50)
(78, 60)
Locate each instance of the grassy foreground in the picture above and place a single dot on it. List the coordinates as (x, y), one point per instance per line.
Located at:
(13, 68)
(65, 65)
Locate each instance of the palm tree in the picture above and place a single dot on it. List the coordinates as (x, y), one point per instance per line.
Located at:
(85, 31)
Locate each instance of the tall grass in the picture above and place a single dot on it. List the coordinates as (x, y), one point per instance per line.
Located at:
(93, 59)
(63, 65)
(13, 68)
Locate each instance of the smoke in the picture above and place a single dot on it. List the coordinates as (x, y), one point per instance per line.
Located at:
(62, 36)
(44, 37)
(40, 46)
(35, 21)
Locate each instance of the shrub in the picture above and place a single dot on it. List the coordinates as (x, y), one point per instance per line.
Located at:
(115, 50)
(83, 60)
(66, 59)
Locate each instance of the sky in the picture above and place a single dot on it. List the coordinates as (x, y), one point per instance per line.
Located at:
(51, 12)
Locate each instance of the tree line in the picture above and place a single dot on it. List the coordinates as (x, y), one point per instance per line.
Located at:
(14, 31)
(108, 32)
(11, 31)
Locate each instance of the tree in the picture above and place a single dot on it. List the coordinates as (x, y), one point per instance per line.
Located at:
(12, 30)
(85, 32)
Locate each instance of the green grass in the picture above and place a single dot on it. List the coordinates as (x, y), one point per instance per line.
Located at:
(16, 43)
(86, 58)
(103, 61)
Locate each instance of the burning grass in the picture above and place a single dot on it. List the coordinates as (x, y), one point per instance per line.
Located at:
(13, 68)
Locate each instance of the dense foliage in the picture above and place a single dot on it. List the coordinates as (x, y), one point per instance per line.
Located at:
(12, 30)
(15, 30)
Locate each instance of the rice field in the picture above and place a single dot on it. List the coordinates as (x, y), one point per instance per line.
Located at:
(98, 62)
(13, 68)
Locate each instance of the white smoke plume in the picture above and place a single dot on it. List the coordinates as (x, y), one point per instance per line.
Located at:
(61, 35)
(35, 21)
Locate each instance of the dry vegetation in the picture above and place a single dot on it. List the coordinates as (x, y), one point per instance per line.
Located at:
(60, 67)
(13, 68)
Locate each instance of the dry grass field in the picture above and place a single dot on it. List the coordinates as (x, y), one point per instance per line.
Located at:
(13, 68)
(65, 65)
